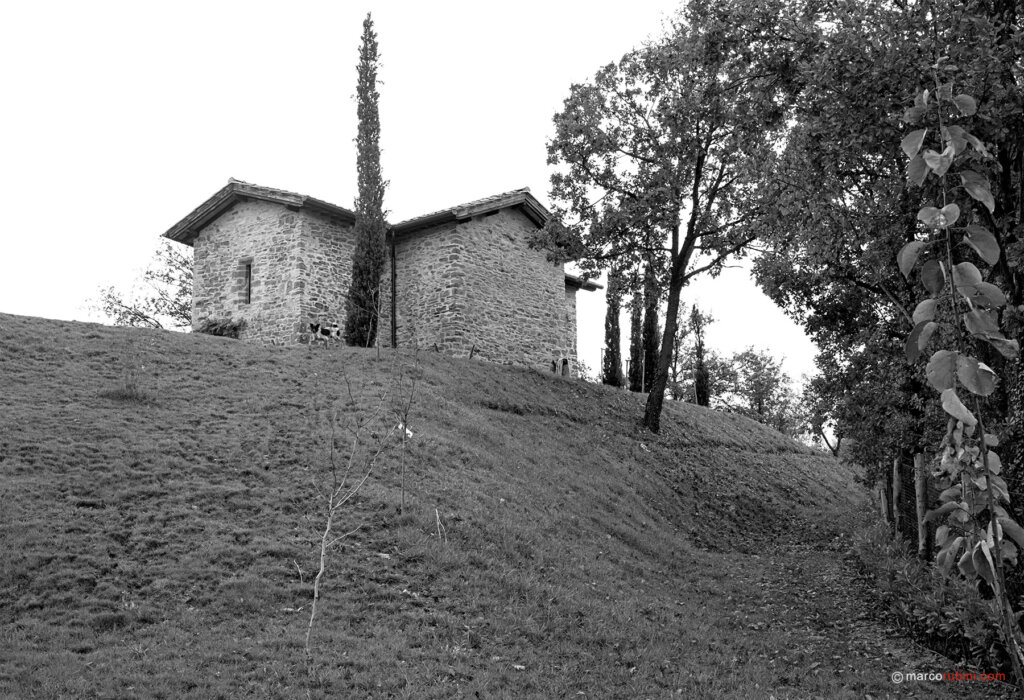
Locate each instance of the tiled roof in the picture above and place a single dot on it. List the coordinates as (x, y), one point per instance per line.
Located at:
(521, 198)
(186, 230)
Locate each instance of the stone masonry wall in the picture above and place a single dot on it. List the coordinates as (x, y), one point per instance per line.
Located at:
(430, 291)
(514, 300)
(570, 326)
(263, 235)
(325, 268)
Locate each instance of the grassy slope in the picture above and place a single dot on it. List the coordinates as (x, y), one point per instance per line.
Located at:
(164, 546)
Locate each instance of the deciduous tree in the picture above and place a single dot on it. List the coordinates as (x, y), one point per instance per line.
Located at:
(656, 156)
(161, 299)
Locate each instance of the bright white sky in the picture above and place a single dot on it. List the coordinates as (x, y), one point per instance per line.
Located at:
(120, 117)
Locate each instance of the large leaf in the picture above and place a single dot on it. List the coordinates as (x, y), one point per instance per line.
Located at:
(911, 143)
(952, 405)
(941, 369)
(983, 561)
(1009, 349)
(966, 565)
(939, 162)
(917, 170)
(976, 376)
(1015, 531)
(955, 135)
(933, 276)
(966, 104)
(939, 218)
(925, 311)
(907, 257)
(941, 511)
(977, 144)
(978, 187)
(988, 296)
(983, 242)
(982, 323)
(913, 114)
(918, 339)
(995, 465)
(966, 274)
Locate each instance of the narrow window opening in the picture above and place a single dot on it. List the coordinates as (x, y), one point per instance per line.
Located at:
(245, 277)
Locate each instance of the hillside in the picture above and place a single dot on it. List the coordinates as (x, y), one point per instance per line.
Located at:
(161, 526)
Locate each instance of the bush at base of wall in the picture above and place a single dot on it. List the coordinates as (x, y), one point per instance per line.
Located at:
(224, 327)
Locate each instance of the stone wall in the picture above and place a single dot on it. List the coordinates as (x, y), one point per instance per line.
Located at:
(515, 297)
(430, 291)
(469, 287)
(325, 270)
(570, 326)
(260, 234)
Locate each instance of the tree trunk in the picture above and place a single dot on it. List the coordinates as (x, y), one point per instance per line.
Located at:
(656, 399)
(897, 491)
(921, 498)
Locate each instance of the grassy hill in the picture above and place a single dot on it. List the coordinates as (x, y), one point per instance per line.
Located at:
(161, 514)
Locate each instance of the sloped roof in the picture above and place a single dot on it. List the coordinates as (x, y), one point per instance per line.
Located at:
(578, 282)
(186, 230)
(522, 198)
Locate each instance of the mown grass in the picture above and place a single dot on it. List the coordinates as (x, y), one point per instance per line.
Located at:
(160, 521)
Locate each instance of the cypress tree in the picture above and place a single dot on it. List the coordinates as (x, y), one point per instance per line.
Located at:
(363, 304)
(611, 371)
(701, 375)
(636, 343)
(651, 339)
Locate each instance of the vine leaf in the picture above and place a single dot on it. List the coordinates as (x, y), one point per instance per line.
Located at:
(952, 405)
(995, 465)
(939, 162)
(977, 144)
(957, 136)
(983, 294)
(913, 114)
(978, 187)
(933, 276)
(941, 511)
(939, 218)
(1015, 531)
(925, 311)
(976, 376)
(966, 104)
(911, 143)
(1010, 349)
(941, 369)
(917, 170)
(918, 339)
(907, 257)
(983, 242)
(982, 323)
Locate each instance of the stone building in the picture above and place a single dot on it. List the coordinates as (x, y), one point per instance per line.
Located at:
(463, 279)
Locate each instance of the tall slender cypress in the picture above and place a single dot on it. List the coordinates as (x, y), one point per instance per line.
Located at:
(611, 371)
(651, 339)
(636, 342)
(363, 304)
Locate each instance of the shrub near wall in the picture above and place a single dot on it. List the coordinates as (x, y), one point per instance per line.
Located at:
(948, 615)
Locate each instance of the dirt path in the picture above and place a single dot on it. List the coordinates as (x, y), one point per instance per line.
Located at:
(829, 632)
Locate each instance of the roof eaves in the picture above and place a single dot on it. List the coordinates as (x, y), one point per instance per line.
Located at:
(186, 230)
(578, 282)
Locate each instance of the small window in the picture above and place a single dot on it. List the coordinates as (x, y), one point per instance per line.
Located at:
(243, 278)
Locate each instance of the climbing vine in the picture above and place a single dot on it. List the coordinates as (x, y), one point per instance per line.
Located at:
(961, 316)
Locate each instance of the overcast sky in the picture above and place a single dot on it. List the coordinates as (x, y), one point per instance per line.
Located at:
(119, 118)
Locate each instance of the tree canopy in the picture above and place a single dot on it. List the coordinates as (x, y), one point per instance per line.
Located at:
(656, 157)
